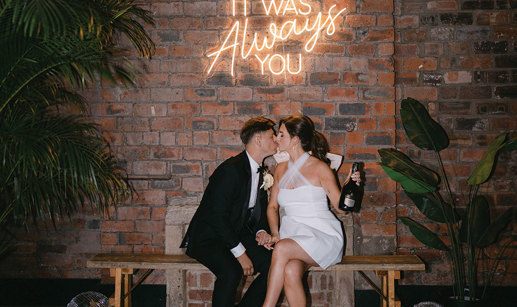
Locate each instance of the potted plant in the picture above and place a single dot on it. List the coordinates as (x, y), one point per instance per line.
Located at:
(50, 160)
(468, 234)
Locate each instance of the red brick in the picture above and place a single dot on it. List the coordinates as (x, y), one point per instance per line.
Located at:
(354, 138)
(380, 64)
(305, 93)
(378, 93)
(193, 184)
(419, 64)
(374, 230)
(226, 138)
(136, 238)
(285, 108)
(406, 49)
(359, 64)
(133, 213)
(348, 4)
(407, 21)
(117, 226)
(386, 78)
(376, 6)
(341, 93)
(385, 20)
(167, 9)
(184, 108)
(158, 213)
(134, 94)
(166, 153)
(269, 94)
(320, 107)
(235, 94)
(361, 49)
(250, 108)
(442, 5)
(149, 168)
(359, 78)
(157, 109)
(220, 23)
(381, 35)
(166, 94)
(217, 108)
(186, 79)
(421, 93)
(184, 65)
(385, 49)
(368, 216)
(200, 9)
(185, 51)
(150, 226)
(201, 138)
(200, 153)
(161, 124)
(360, 20)
(475, 62)
(109, 238)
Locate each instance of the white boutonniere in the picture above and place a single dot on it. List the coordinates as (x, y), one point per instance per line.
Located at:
(267, 180)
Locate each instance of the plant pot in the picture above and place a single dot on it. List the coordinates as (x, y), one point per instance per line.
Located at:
(466, 302)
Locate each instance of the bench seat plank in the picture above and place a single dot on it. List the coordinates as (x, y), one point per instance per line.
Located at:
(184, 262)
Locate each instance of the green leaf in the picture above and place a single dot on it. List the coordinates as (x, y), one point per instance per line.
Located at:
(423, 234)
(510, 145)
(433, 209)
(421, 129)
(478, 221)
(491, 233)
(413, 177)
(486, 165)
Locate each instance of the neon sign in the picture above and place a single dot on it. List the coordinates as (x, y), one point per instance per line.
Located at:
(259, 46)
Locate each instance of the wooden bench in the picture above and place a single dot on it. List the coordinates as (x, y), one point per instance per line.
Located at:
(122, 267)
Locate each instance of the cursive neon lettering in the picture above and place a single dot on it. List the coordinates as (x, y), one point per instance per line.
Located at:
(253, 43)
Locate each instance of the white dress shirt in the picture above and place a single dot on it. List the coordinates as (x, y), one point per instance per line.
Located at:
(238, 250)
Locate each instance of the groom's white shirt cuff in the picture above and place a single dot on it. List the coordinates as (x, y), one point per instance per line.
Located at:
(238, 250)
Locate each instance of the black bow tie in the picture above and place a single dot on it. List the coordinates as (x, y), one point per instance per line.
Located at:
(261, 169)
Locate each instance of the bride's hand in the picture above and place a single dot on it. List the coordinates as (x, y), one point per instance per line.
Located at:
(271, 242)
(356, 177)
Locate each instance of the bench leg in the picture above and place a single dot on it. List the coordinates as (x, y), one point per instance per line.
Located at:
(123, 284)
(388, 288)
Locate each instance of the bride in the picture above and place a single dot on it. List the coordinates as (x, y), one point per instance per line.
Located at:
(309, 235)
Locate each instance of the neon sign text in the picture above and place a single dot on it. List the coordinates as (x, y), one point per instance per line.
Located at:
(259, 45)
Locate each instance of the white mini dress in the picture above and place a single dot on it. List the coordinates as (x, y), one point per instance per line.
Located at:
(308, 220)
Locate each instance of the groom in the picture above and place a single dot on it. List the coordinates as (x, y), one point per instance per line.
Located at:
(228, 223)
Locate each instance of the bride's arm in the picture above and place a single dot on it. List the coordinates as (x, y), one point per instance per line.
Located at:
(272, 207)
(329, 184)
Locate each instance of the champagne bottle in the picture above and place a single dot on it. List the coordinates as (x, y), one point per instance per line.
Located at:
(350, 192)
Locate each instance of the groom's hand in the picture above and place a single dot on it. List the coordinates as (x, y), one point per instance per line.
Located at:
(262, 238)
(246, 264)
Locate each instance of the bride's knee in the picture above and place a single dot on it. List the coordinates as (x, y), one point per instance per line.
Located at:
(281, 249)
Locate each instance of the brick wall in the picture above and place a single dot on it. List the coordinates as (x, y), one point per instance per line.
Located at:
(460, 58)
(178, 123)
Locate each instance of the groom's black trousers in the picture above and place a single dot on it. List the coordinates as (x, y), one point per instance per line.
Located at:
(228, 271)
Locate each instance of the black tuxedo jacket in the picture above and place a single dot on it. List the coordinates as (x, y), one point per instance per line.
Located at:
(221, 215)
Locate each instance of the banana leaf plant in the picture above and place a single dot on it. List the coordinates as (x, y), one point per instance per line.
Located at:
(468, 234)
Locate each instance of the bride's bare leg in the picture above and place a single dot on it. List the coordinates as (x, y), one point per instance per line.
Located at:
(285, 250)
(293, 286)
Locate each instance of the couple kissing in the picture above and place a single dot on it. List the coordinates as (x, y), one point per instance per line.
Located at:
(236, 230)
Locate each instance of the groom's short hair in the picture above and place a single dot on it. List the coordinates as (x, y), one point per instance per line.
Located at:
(255, 125)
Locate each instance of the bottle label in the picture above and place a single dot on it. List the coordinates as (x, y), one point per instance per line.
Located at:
(349, 202)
